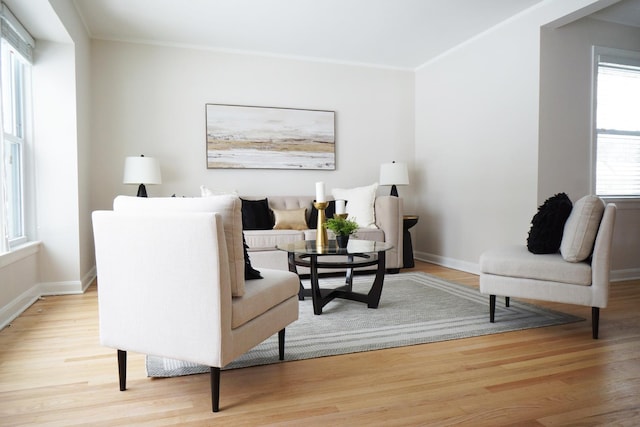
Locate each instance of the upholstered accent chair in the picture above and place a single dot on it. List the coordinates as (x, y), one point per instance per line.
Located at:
(171, 284)
(577, 274)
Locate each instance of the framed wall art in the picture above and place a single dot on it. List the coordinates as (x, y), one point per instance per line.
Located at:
(244, 137)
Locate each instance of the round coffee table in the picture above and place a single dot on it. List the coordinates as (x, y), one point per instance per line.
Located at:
(358, 253)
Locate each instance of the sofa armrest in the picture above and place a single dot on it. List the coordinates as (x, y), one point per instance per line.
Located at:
(389, 218)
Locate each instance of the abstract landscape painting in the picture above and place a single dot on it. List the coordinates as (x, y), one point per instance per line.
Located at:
(269, 138)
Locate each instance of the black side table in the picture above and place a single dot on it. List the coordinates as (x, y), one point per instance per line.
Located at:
(408, 221)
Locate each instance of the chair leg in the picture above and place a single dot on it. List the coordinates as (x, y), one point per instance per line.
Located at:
(595, 321)
(281, 344)
(492, 308)
(122, 369)
(215, 389)
(507, 301)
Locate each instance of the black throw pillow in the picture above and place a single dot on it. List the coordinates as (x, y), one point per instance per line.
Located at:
(250, 273)
(256, 215)
(328, 213)
(547, 225)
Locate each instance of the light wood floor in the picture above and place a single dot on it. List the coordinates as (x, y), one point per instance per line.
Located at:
(54, 372)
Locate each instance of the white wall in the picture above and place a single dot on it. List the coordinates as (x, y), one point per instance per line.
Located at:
(477, 140)
(82, 109)
(565, 144)
(151, 100)
(63, 263)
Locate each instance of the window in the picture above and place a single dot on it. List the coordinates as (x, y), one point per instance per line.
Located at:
(15, 72)
(617, 119)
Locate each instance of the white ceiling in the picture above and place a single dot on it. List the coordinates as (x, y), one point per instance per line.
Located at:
(388, 33)
(626, 12)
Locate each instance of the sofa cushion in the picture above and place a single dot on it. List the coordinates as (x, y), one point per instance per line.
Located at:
(517, 261)
(547, 225)
(276, 287)
(360, 203)
(290, 219)
(581, 228)
(256, 215)
(229, 207)
(269, 239)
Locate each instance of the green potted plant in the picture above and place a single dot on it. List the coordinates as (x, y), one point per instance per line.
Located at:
(342, 228)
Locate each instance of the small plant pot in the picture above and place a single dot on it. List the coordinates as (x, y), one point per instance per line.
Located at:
(342, 241)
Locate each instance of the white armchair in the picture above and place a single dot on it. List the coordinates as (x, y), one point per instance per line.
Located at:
(515, 272)
(171, 284)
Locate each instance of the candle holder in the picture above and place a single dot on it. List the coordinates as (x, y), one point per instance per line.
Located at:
(321, 231)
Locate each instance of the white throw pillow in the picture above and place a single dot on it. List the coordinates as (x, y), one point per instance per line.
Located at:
(207, 192)
(360, 203)
(229, 207)
(581, 229)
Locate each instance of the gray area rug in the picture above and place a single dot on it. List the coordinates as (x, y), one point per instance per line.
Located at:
(415, 308)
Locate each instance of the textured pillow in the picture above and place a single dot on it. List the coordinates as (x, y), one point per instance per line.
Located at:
(228, 207)
(250, 273)
(290, 219)
(581, 229)
(361, 201)
(547, 225)
(256, 215)
(328, 213)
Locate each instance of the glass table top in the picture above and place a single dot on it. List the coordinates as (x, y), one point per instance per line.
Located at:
(355, 246)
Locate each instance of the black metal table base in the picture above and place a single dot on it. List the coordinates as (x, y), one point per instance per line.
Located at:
(321, 296)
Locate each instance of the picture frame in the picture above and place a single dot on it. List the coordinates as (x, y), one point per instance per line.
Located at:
(248, 137)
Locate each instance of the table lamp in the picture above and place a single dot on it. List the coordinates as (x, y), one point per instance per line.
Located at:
(141, 170)
(394, 174)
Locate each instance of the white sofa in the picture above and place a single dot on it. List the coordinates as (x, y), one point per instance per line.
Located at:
(262, 243)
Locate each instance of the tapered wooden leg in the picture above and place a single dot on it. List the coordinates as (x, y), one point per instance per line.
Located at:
(595, 321)
(122, 369)
(492, 308)
(281, 344)
(215, 389)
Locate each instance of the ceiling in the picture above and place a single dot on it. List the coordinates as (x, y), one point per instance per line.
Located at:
(389, 33)
(401, 34)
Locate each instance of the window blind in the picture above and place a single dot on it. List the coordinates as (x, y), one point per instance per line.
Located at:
(618, 127)
(15, 34)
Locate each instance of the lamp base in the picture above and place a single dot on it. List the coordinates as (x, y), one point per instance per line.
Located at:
(394, 190)
(142, 191)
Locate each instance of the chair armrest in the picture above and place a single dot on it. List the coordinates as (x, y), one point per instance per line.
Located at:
(601, 258)
(389, 218)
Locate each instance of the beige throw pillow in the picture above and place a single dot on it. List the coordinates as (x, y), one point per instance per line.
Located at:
(290, 219)
(581, 228)
(229, 207)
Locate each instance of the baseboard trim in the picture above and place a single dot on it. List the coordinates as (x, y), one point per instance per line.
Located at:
(469, 267)
(16, 307)
(627, 274)
(456, 264)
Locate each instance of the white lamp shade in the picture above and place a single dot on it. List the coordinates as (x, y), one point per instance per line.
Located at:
(394, 174)
(141, 170)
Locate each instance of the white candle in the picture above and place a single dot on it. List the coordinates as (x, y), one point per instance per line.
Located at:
(340, 207)
(320, 197)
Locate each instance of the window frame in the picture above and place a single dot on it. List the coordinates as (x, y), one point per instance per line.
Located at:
(17, 114)
(614, 55)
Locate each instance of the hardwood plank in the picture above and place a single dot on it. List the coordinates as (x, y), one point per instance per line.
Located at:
(53, 371)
